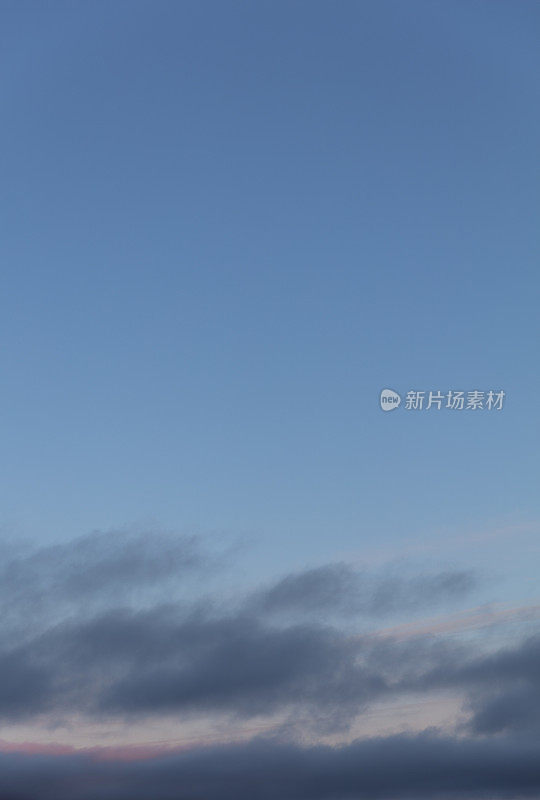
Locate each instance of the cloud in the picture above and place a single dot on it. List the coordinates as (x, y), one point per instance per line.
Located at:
(338, 588)
(105, 654)
(138, 569)
(249, 668)
(43, 585)
(164, 660)
(502, 687)
(515, 709)
(423, 766)
(471, 619)
(507, 696)
(170, 660)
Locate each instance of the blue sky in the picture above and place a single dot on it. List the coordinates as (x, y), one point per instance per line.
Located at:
(226, 227)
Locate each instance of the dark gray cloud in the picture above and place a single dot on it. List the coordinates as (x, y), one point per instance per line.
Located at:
(506, 689)
(424, 766)
(512, 709)
(107, 654)
(25, 687)
(339, 588)
(165, 660)
(502, 687)
(248, 668)
(247, 658)
(168, 660)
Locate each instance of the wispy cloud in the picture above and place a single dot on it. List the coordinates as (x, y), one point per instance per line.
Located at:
(471, 619)
(341, 589)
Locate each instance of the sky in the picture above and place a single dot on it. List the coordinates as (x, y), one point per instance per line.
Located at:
(226, 227)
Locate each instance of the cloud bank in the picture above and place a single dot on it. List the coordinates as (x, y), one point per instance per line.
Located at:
(425, 766)
(107, 646)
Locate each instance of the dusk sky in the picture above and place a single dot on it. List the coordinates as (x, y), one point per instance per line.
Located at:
(225, 572)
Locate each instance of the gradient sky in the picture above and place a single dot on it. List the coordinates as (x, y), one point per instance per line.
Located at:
(226, 226)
